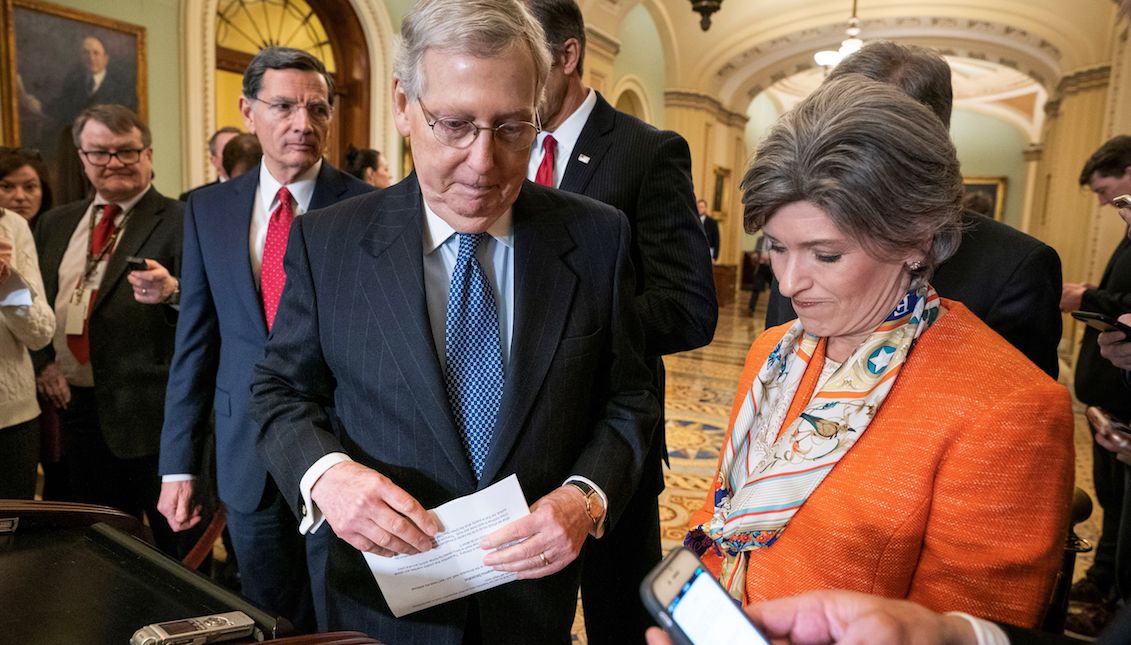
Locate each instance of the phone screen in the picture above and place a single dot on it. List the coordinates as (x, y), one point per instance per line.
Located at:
(707, 614)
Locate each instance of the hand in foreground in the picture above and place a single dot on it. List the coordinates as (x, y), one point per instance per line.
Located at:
(154, 285)
(53, 386)
(369, 511)
(175, 503)
(1071, 294)
(1115, 347)
(545, 541)
(5, 258)
(847, 618)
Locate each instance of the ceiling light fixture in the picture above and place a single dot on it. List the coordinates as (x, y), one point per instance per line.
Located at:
(705, 8)
(831, 58)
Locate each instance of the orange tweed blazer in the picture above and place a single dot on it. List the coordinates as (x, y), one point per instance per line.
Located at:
(957, 495)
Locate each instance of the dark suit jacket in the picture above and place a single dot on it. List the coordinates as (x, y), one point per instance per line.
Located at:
(185, 195)
(1007, 278)
(353, 330)
(130, 343)
(116, 88)
(646, 173)
(1118, 632)
(221, 333)
(711, 230)
(1098, 382)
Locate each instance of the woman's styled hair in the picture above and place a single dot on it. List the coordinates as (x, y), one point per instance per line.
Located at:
(879, 163)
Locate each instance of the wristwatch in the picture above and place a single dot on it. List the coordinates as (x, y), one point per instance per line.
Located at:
(592, 508)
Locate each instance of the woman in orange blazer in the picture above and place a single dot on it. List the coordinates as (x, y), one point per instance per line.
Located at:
(887, 441)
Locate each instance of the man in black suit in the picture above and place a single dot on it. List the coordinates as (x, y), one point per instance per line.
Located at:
(710, 228)
(467, 325)
(588, 147)
(108, 364)
(226, 314)
(1007, 278)
(1107, 173)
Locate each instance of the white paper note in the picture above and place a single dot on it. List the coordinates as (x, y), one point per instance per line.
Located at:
(454, 568)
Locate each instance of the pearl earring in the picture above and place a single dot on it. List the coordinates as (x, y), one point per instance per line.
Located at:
(915, 265)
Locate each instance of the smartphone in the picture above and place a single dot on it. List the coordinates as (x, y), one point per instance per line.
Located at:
(1101, 322)
(1123, 201)
(196, 631)
(691, 605)
(136, 264)
(1104, 422)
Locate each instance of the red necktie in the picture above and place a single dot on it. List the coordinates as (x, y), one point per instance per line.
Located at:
(545, 176)
(272, 278)
(103, 230)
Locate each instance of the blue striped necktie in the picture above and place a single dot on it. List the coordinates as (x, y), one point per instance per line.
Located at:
(473, 352)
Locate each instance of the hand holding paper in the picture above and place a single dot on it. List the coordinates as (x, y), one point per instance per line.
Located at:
(543, 542)
(371, 513)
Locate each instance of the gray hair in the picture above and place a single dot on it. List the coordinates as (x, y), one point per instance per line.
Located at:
(282, 58)
(880, 164)
(481, 28)
(921, 73)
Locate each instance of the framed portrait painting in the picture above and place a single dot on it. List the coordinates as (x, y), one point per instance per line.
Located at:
(59, 61)
(985, 195)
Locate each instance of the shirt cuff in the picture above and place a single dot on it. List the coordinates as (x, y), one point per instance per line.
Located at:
(985, 632)
(600, 530)
(312, 517)
(177, 478)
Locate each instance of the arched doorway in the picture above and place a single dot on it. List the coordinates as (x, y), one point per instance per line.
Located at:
(329, 29)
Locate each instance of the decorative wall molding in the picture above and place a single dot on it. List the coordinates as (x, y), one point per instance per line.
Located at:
(607, 44)
(1084, 80)
(1033, 152)
(705, 103)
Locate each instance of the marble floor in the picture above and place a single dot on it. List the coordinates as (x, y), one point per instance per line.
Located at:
(699, 392)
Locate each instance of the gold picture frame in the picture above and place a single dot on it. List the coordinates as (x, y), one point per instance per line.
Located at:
(992, 187)
(46, 77)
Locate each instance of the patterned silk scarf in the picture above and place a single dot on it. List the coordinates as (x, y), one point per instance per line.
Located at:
(775, 459)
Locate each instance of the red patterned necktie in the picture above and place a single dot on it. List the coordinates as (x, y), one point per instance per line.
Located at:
(103, 231)
(272, 278)
(545, 176)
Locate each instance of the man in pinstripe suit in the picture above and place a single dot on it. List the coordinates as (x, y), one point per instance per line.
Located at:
(366, 322)
(620, 160)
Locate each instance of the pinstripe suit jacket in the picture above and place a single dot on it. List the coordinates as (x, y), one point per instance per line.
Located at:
(221, 333)
(646, 173)
(353, 330)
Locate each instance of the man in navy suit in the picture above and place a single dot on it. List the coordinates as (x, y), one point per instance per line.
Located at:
(234, 236)
(377, 319)
(590, 148)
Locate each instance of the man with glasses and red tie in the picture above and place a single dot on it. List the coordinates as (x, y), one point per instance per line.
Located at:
(235, 236)
(107, 366)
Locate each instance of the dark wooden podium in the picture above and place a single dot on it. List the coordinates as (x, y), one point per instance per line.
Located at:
(66, 577)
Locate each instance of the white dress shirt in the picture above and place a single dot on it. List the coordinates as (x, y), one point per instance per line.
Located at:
(566, 135)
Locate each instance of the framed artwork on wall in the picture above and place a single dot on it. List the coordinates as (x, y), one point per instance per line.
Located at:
(57, 62)
(719, 200)
(985, 195)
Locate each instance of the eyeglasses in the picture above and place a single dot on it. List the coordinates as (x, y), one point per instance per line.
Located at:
(461, 133)
(128, 157)
(316, 111)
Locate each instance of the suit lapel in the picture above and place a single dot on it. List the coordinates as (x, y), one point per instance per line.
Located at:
(329, 187)
(146, 215)
(593, 143)
(233, 233)
(544, 290)
(392, 248)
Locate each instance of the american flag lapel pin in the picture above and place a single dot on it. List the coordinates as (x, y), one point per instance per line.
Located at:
(583, 158)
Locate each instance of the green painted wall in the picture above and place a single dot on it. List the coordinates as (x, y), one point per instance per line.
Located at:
(397, 9)
(642, 55)
(161, 19)
(990, 147)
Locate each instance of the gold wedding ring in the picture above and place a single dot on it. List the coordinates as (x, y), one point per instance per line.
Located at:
(545, 562)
